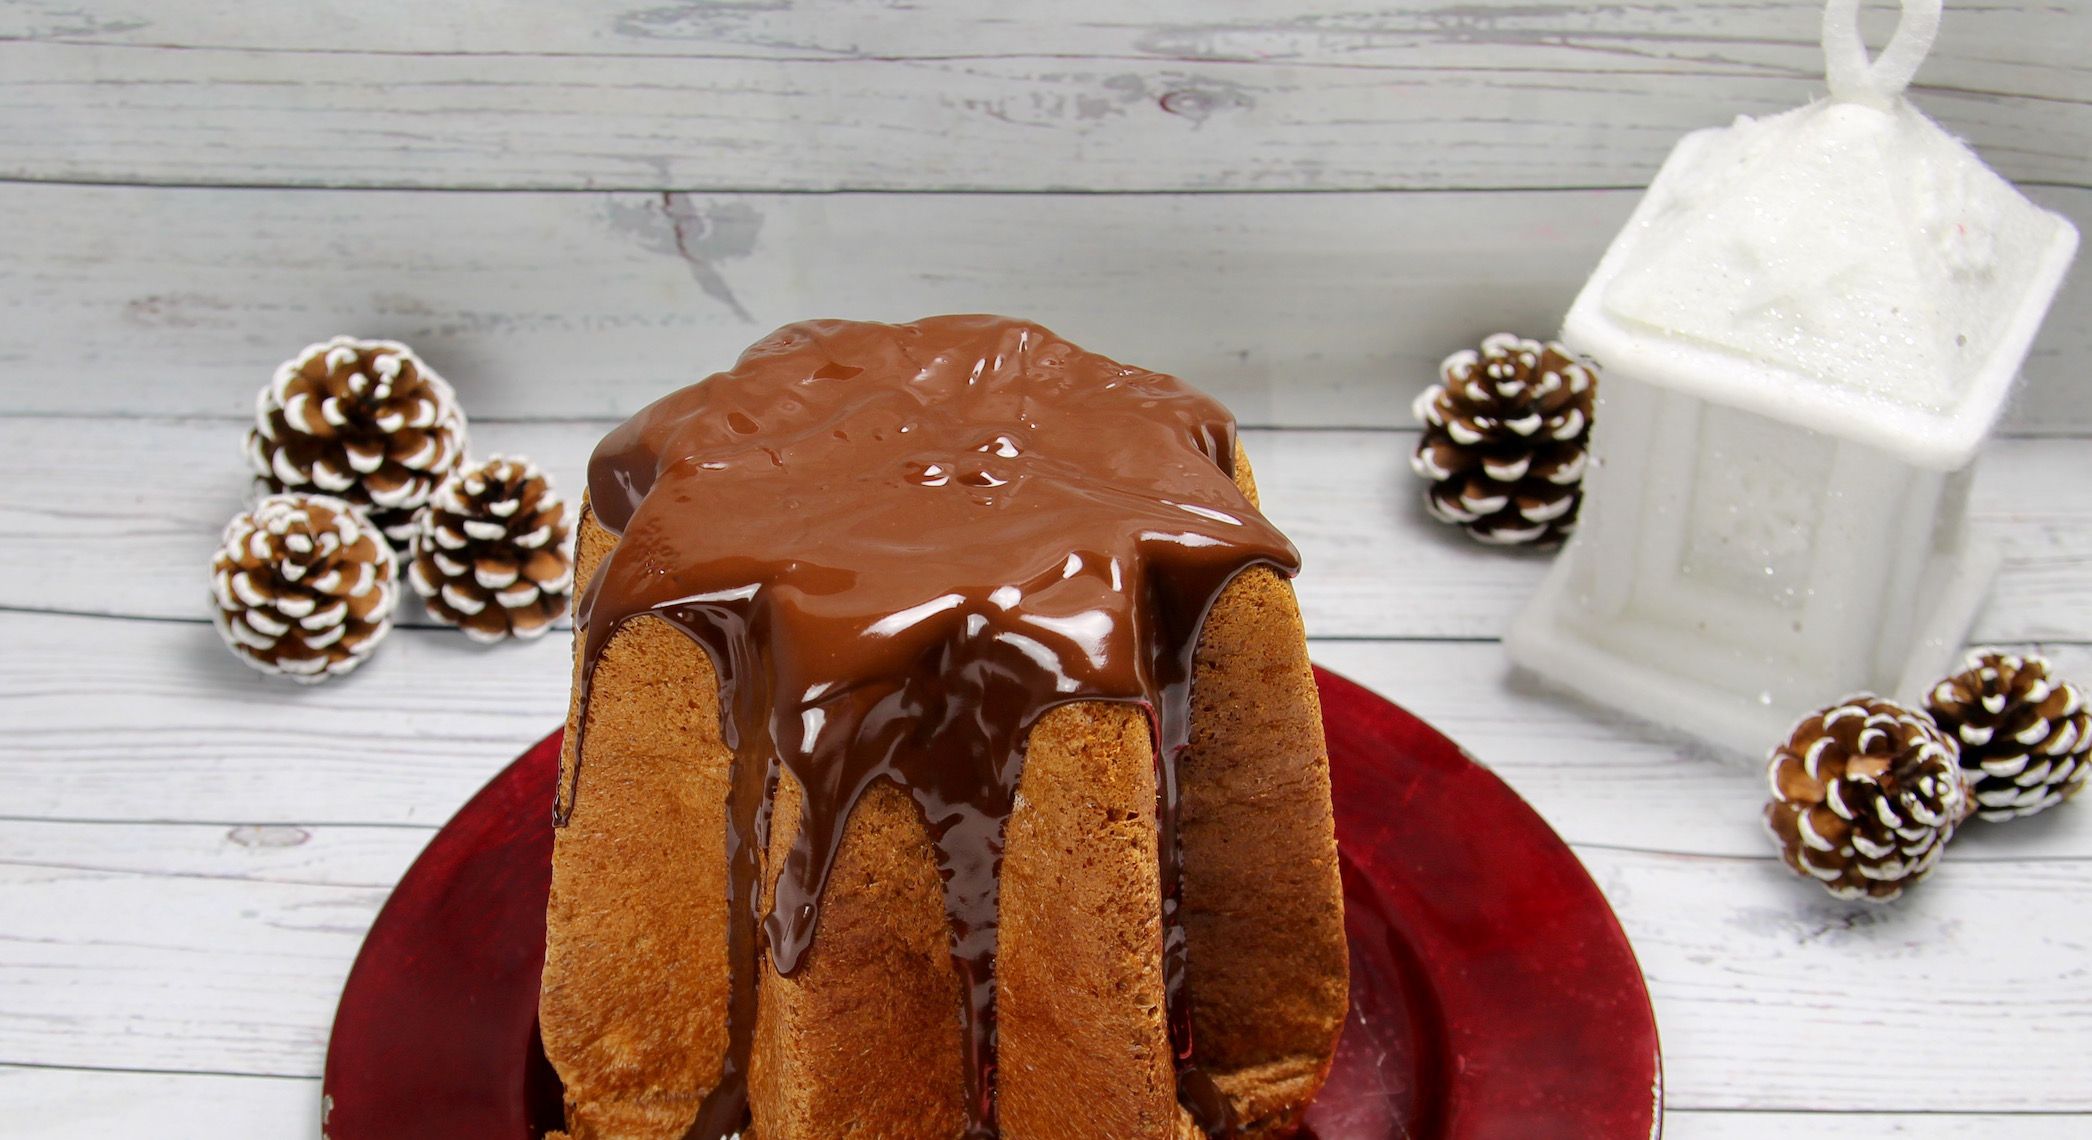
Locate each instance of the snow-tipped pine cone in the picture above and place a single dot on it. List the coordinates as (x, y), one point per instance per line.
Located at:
(490, 551)
(1505, 437)
(1865, 795)
(304, 586)
(2025, 734)
(362, 420)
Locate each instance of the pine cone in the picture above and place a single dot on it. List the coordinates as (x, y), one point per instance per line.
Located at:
(490, 551)
(364, 420)
(1505, 433)
(305, 586)
(1865, 795)
(2026, 739)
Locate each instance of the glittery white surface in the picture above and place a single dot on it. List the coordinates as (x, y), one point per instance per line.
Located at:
(1853, 247)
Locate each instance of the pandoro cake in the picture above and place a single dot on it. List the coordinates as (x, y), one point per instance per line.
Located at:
(944, 760)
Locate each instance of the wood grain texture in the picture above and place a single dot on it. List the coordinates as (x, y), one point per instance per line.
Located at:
(1295, 309)
(1753, 980)
(1689, 1124)
(84, 1104)
(406, 745)
(141, 970)
(826, 95)
(212, 974)
(80, 533)
(1768, 37)
(405, 740)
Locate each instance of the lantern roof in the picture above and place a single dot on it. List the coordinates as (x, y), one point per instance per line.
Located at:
(1848, 266)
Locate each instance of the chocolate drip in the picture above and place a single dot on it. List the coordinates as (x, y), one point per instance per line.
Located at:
(900, 546)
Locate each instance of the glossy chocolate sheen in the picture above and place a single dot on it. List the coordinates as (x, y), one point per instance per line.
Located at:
(901, 545)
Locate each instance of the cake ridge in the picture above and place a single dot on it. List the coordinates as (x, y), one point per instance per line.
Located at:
(974, 522)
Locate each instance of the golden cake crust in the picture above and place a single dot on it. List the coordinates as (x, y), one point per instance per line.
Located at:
(863, 1040)
(633, 1005)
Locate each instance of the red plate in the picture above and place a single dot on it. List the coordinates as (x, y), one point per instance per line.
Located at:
(1492, 992)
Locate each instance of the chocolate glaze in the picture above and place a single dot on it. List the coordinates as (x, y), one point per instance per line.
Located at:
(900, 546)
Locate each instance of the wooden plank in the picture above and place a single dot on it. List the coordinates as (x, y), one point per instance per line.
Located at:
(405, 741)
(82, 534)
(946, 95)
(1296, 309)
(1768, 37)
(144, 971)
(1757, 985)
(356, 857)
(410, 736)
(141, 969)
(75, 1104)
(1692, 1124)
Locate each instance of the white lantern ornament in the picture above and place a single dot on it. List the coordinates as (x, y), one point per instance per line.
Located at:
(1808, 327)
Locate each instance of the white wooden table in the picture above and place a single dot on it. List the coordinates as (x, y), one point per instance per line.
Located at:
(570, 207)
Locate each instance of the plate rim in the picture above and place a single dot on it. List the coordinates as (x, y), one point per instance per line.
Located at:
(1429, 751)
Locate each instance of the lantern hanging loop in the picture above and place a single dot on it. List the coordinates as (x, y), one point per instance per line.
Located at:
(1878, 81)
